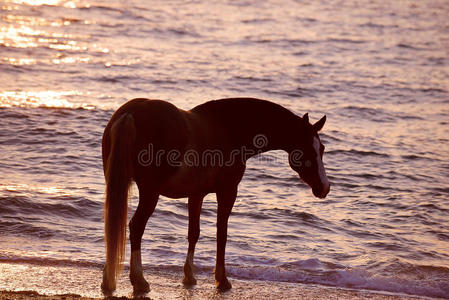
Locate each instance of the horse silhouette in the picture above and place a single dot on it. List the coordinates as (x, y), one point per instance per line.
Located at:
(177, 153)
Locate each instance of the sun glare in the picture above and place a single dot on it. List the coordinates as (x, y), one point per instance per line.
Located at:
(18, 37)
(35, 2)
(21, 187)
(53, 99)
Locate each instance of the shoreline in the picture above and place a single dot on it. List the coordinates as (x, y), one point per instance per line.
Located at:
(258, 291)
(20, 281)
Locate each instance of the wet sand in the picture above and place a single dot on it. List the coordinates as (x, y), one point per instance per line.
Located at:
(254, 291)
(19, 281)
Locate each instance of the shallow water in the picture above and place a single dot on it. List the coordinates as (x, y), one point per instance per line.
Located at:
(378, 70)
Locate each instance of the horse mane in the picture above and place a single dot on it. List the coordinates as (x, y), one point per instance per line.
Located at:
(236, 105)
(247, 117)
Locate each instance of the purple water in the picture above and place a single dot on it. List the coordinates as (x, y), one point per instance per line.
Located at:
(378, 70)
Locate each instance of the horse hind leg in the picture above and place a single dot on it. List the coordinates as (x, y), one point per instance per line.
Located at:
(147, 204)
(194, 205)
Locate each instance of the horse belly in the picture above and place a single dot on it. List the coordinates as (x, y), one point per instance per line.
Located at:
(189, 181)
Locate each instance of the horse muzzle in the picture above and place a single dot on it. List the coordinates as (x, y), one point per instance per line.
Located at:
(322, 191)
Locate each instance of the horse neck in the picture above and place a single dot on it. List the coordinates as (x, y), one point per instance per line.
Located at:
(269, 132)
(257, 125)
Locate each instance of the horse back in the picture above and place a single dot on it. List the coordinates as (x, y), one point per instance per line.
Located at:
(160, 128)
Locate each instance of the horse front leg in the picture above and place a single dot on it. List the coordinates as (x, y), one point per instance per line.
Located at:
(225, 198)
(195, 203)
(147, 204)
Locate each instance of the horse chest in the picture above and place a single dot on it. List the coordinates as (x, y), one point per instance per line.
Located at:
(190, 181)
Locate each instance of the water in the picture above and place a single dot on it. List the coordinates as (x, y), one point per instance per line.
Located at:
(378, 70)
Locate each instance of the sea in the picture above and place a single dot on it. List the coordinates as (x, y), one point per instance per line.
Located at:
(379, 71)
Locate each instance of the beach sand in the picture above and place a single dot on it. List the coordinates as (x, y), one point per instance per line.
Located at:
(28, 281)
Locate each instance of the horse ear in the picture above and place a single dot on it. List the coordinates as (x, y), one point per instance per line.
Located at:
(305, 118)
(319, 125)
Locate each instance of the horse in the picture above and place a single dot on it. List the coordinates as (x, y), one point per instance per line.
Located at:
(189, 154)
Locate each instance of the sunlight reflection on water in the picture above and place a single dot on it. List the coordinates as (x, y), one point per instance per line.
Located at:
(55, 99)
(35, 2)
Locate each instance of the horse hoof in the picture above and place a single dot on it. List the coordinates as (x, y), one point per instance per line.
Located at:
(139, 291)
(189, 281)
(140, 287)
(223, 285)
(106, 288)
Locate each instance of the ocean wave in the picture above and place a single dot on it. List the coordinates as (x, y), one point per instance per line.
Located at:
(45, 261)
(407, 46)
(377, 25)
(416, 156)
(404, 278)
(345, 41)
(293, 93)
(314, 271)
(26, 227)
(280, 41)
(371, 113)
(102, 8)
(61, 206)
(171, 215)
(116, 79)
(362, 153)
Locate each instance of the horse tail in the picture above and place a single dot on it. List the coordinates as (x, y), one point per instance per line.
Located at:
(118, 174)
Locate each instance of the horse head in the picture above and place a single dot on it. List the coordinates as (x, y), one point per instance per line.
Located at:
(306, 158)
